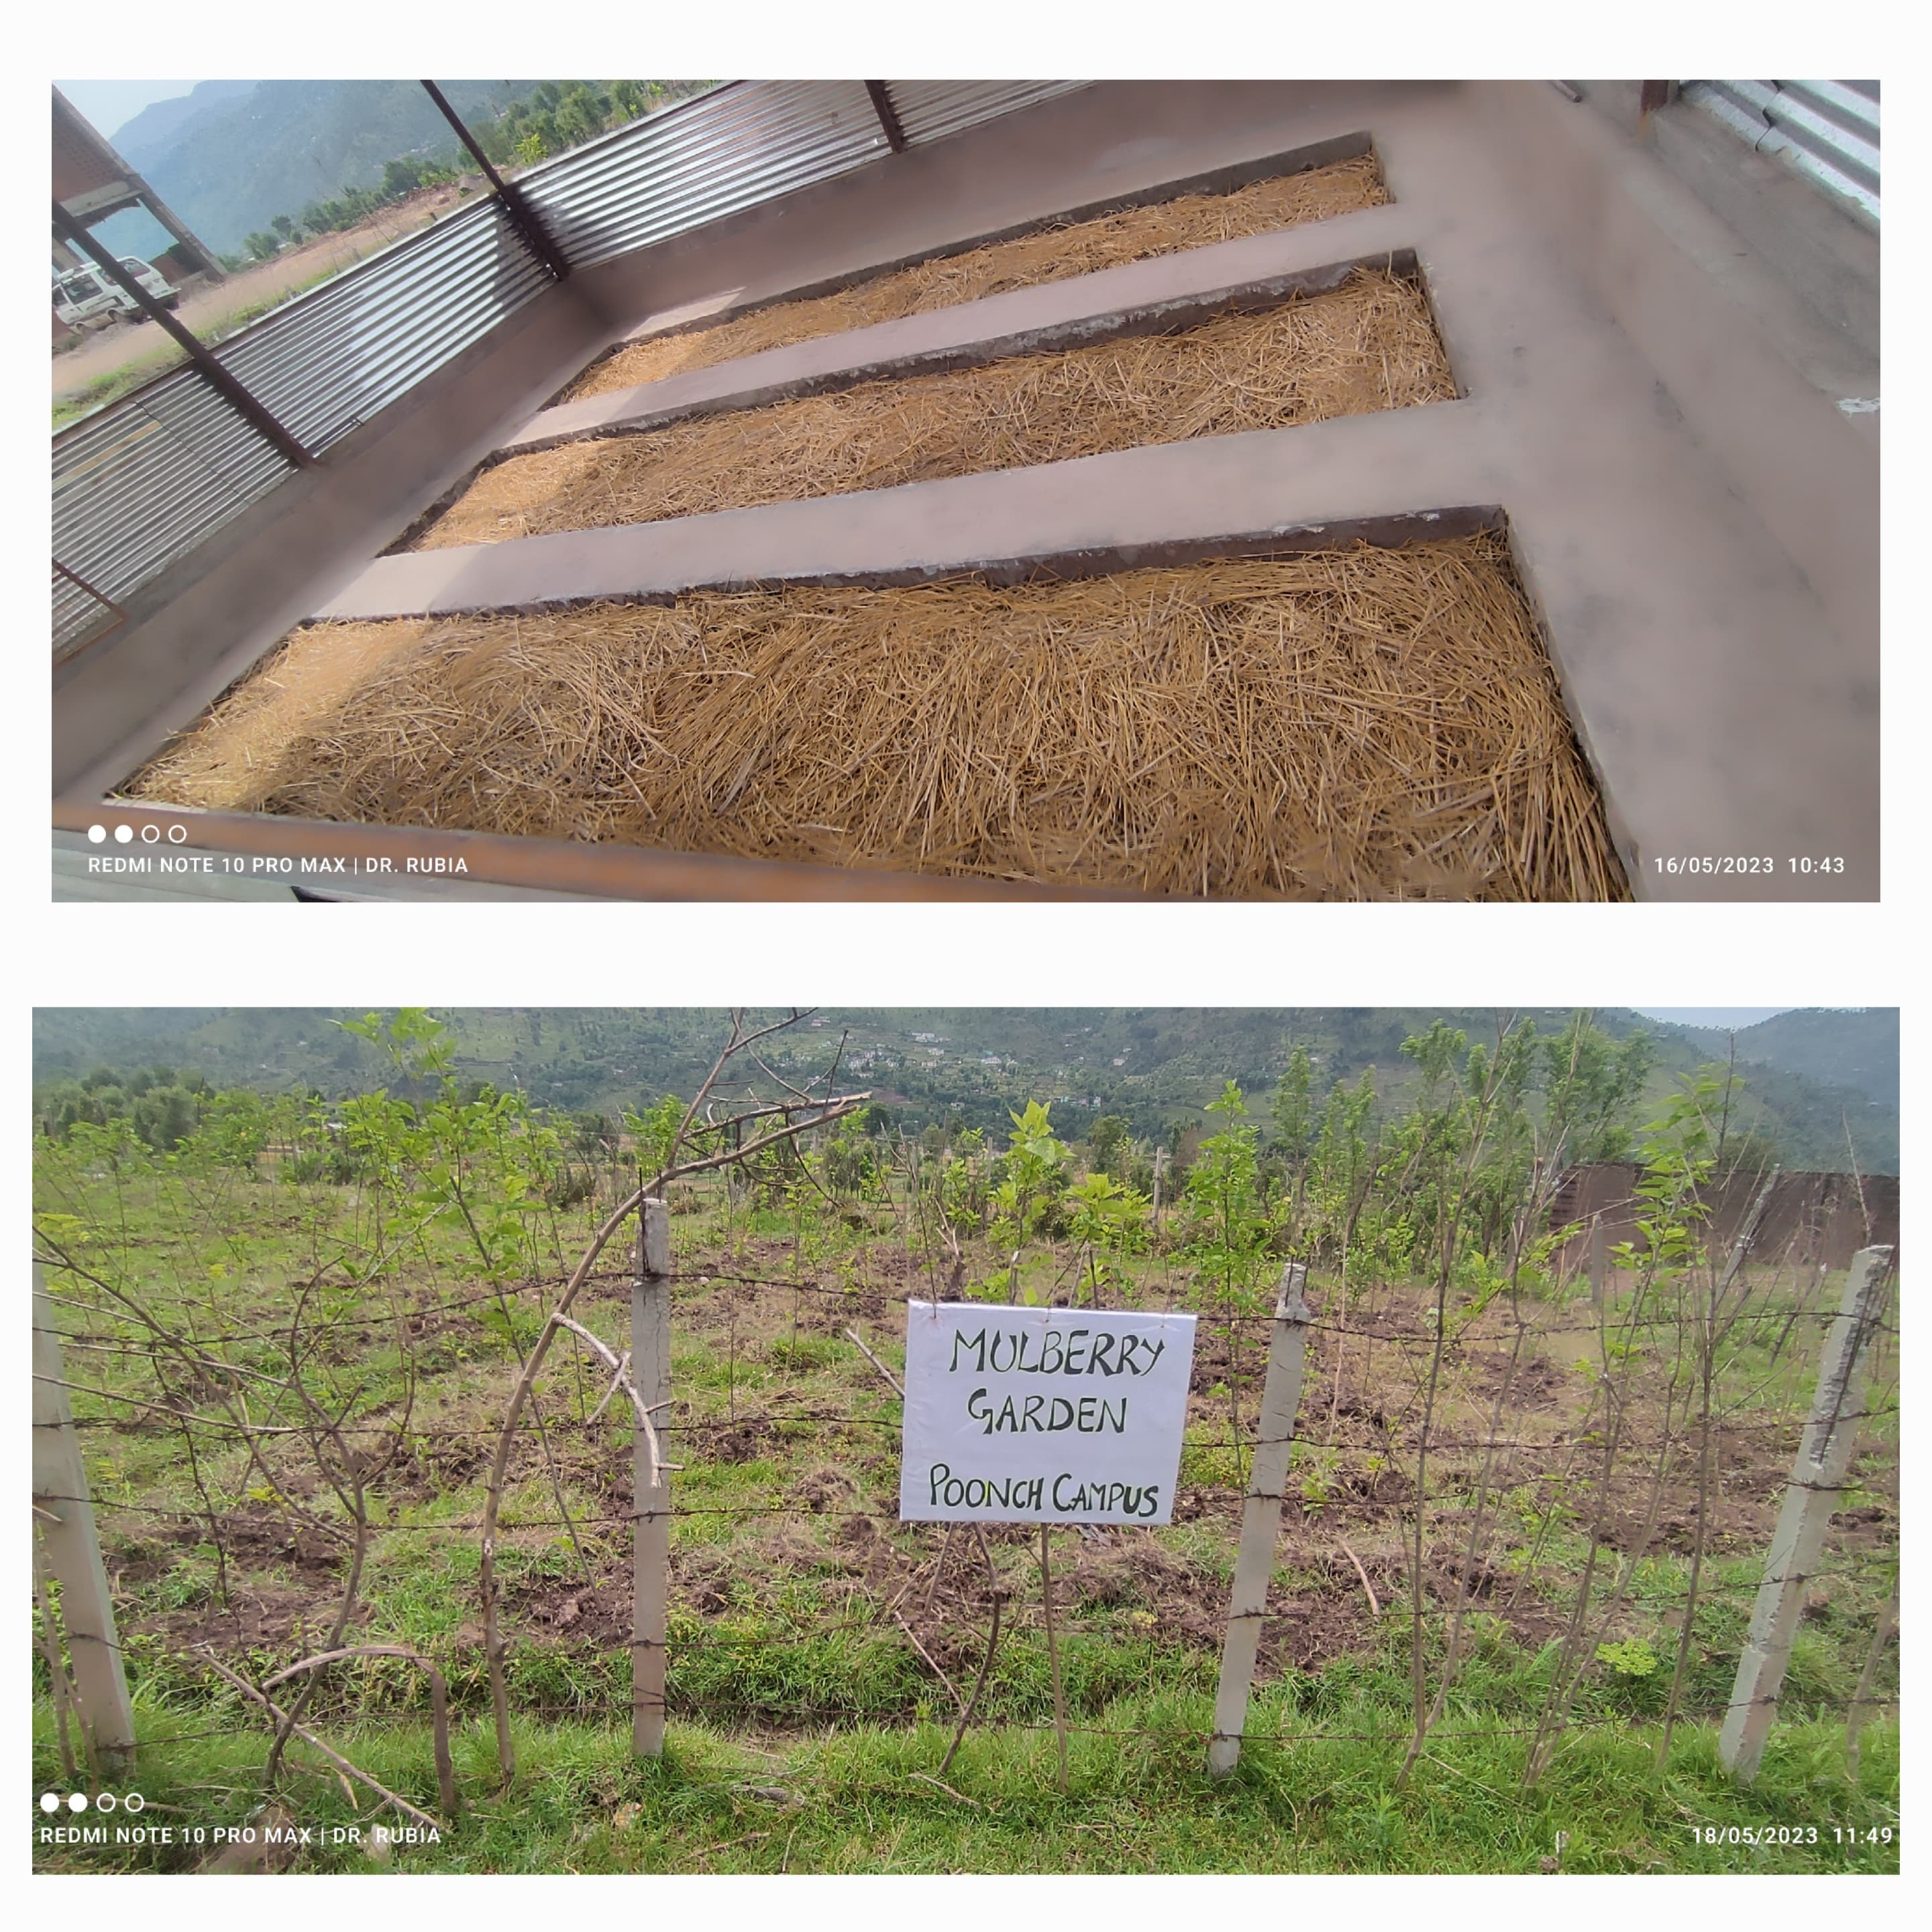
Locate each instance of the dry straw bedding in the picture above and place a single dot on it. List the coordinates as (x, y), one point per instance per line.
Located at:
(1370, 344)
(1366, 723)
(1049, 255)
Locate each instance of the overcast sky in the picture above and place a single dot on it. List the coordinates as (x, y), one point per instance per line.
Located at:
(111, 104)
(1712, 1016)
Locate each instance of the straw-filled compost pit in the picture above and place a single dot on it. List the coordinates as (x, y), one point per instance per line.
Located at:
(1365, 723)
(1370, 344)
(1048, 255)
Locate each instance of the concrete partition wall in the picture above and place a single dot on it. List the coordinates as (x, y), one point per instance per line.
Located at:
(1647, 401)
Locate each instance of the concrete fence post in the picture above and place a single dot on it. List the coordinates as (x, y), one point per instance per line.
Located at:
(650, 1374)
(1818, 1475)
(1261, 1518)
(65, 1519)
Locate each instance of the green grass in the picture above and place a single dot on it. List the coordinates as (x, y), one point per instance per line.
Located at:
(862, 1800)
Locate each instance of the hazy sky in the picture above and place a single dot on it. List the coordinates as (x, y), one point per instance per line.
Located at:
(111, 104)
(1712, 1016)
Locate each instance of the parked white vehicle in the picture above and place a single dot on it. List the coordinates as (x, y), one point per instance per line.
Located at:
(85, 295)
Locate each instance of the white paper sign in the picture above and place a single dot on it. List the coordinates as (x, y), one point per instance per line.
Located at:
(1042, 1415)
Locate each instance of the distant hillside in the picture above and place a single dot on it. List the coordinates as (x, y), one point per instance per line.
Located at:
(1153, 1065)
(160, 125)
(232, 165)
(1856, 1047)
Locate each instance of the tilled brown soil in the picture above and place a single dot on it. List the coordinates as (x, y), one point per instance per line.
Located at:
(1343, 1584)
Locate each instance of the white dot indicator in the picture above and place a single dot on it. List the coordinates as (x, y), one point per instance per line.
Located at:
(77, 1801)
(122, 834)
(96, 834)
(50, 1801)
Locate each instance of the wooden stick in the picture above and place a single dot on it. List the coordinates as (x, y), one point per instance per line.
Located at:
(1375, 1607)
(621, 1379)
(973, 1703)
(892, 1381)
(939, 1568)
(1862, 1698)
(925, 1779)
(616, 1382)
(912, 1637)
(63, 1691)
(308, 1736)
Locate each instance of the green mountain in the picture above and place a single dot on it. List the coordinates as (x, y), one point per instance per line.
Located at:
(1151, 1065)
(159, 125)
(233, 165)
(1852, 1046)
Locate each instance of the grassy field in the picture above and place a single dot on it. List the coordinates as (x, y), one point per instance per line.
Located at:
(867, 1799)
(819, 1647)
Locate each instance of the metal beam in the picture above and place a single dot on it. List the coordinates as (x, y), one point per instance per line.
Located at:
(216, 373)
(888, 116)
(74, 577)
(536, 237)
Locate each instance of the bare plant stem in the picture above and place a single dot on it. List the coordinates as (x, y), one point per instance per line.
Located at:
(973, 1703)
(438, 1704)
(1052, 1649)
(1862, 1698)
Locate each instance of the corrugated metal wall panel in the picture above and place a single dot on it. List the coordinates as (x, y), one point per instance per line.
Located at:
(740, 145)
(929, 110)
(1827, 130)
(332, 358)
(143, 482)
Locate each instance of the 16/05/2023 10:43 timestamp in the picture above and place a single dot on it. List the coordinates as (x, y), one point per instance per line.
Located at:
(1677, 864)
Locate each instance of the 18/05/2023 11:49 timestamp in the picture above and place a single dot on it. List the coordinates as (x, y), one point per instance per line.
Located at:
(1676, 865)
(1792, 1834)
